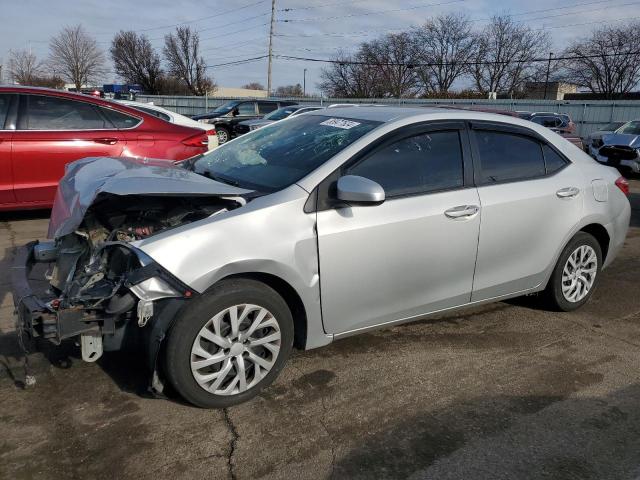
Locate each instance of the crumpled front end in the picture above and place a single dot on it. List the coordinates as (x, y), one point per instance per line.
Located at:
(620, 150)
(102, 288)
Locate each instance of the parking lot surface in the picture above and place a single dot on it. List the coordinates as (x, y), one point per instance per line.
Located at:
(502, 391)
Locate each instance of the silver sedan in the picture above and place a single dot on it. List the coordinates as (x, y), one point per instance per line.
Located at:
(313, 229)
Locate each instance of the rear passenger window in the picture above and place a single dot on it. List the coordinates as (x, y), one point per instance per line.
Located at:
(552, 160)
(120, 120)
(419, 164)
(508, 157)
(246, 109)
(53, 113)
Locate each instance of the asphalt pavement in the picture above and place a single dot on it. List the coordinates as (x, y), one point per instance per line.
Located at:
(504, 391)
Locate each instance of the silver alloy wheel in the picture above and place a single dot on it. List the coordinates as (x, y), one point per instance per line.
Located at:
(222, 136)
(579, 273)
(235, 349)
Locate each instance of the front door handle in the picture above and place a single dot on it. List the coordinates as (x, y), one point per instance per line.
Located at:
(568, 192)
(106, 141)
(462, 211)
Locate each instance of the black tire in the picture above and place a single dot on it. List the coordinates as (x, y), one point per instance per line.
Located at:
(224, 135)
(553, 296)
(183, 333)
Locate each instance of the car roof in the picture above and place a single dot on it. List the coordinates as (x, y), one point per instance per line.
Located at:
(396, 114)
(377, 114)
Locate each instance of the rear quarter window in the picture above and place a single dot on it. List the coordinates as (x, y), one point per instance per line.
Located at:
(120, 120)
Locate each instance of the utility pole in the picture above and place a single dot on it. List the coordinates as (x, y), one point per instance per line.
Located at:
(273, 17)
(304, 82)
(546, 80)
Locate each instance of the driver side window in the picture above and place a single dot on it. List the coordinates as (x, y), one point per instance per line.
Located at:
(423, 163)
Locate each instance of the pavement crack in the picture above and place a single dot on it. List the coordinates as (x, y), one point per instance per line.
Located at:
(322, 420)
(604, 333)
(234, 442)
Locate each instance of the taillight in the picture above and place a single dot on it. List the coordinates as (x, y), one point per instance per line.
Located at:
(623, 184)
(211, 132)
(197, 140)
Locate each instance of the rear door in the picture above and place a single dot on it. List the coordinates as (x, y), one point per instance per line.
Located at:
(7, 124)
(51, 132)
(531, 198)
(413, 254)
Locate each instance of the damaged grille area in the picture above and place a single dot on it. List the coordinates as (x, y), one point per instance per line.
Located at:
(616, 153)
(97, 278)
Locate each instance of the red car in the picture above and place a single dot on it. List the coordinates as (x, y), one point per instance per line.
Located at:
(41, 130)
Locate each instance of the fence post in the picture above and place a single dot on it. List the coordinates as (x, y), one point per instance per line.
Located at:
(206, 101)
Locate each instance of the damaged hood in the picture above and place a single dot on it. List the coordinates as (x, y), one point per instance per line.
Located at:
(86, 179)
(622, 140)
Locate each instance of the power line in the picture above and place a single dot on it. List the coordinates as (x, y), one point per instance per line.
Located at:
(379, 12)
(444, 64)
(373, 31)
(200, 19)
(235, 31)
(238, 62)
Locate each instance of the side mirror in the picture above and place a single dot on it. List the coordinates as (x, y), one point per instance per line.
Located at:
(355, 189)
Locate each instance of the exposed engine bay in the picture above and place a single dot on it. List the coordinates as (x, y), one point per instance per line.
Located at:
(98, 281)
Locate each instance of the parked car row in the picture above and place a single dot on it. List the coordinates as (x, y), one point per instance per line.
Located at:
(226, 117)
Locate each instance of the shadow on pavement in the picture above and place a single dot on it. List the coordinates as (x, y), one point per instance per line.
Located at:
(524, 437)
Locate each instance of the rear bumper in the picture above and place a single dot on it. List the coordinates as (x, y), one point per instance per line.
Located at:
(36, 316)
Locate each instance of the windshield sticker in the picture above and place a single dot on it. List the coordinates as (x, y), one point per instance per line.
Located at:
(340, 123)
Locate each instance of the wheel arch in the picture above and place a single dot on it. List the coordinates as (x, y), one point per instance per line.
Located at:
(291, 298)
(601, 234)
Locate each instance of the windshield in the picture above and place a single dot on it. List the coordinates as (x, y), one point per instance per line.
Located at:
(631, 128)
(280, 113)
(279, 155)
(611, 127)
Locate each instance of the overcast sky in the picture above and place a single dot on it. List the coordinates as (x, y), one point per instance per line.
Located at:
(231, 31)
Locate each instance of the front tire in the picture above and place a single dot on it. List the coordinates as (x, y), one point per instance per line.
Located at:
(576, 274)
(229, 344)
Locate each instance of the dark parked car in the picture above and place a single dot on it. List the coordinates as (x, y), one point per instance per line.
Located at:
(227, 116)
(280, 114)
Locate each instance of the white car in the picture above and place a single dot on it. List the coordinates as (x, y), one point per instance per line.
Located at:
(174, 117)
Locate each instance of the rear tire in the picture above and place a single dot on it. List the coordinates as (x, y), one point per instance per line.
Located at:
(229, 344)
(575, 275)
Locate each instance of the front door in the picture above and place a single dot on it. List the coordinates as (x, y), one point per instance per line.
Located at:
(413, 254)
(52, 132)
(531, 199)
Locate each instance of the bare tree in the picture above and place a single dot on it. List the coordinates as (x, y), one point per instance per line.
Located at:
(75, 56)
(136, 61)
(606, 62)
(289, 91)
(443, 47)
(182, 52)
(350, 77)
(24, 67)
(505, 50)
(393, 57)
(254, 86)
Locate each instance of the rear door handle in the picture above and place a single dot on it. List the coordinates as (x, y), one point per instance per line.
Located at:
(106, 141)
(568, 192)
(462, 211)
